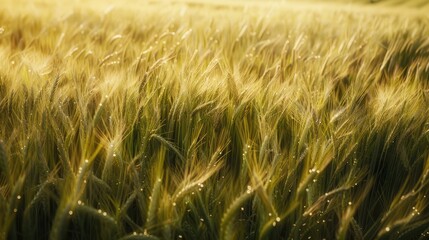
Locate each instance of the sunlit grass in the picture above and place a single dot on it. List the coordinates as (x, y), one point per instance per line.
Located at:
(213, 121)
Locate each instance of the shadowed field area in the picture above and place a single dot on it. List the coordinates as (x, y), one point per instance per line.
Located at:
(214, 120)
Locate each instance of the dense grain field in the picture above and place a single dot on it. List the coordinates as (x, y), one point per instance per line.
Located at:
(214, 120)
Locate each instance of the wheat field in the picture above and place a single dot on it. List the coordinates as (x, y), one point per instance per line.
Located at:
(214, 120)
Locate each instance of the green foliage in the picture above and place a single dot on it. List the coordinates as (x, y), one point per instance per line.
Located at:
(213, 121)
